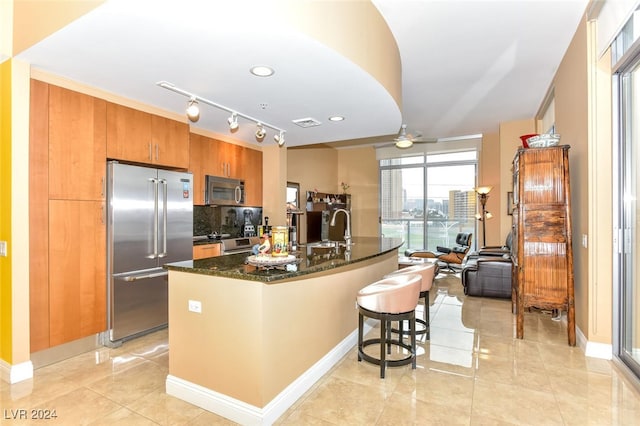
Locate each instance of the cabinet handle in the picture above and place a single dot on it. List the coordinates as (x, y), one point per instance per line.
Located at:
(150, 153)
(157, 152)
(102, 187)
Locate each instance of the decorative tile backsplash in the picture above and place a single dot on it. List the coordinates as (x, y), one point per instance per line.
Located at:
(225, 219)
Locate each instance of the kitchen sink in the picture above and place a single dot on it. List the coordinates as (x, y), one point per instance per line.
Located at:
(326, 244)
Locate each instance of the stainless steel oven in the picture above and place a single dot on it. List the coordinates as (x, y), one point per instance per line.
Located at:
(223, 191)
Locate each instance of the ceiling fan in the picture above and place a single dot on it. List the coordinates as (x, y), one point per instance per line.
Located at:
(406, 140)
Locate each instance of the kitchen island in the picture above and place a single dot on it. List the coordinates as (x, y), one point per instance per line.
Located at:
(246, 342)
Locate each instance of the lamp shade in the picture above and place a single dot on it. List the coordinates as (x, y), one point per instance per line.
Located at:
(483, 190)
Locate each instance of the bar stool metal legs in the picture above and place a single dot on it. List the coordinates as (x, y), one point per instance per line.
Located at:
(389, 299)
(385, 340)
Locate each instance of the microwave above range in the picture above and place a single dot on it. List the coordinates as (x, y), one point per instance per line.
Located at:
(224, 191)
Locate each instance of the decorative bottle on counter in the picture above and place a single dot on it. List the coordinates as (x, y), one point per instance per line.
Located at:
(309, 202)
(280, 239)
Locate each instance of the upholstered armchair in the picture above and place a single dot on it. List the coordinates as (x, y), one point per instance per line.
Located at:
(449, 256)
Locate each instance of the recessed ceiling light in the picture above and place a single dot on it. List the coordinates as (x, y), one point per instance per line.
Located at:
(336, 118)
(262, 71)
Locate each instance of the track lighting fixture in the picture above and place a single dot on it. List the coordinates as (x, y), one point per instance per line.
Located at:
(260, 132)
(279, 138)
(193, 110)
(193, 113)
(233, 122)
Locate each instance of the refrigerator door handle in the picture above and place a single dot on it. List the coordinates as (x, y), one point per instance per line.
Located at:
(164, 217)
(131, 278)
(155, 218)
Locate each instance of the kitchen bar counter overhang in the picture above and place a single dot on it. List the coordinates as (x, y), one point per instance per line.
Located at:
(262, 338)
(312, 259)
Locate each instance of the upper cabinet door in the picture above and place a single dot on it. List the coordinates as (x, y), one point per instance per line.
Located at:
(170, 140)
(200, 153)
(252, 173)
(77, 146)
(128, 134)
(227, 156)
(141, 137)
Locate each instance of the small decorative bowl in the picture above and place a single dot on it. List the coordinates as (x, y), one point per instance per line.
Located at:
(543, 141)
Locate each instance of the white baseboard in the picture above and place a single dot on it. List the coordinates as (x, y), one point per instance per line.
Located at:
(247, 414)
(593, 349)
(14, 373)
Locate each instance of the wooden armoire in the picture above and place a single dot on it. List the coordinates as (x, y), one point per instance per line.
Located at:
(542, 252)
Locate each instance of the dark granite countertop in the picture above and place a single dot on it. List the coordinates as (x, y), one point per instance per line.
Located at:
(309, 259)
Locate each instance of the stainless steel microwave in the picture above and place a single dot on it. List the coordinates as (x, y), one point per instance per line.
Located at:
(224, 191)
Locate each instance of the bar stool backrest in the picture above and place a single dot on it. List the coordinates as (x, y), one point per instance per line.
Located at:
(391, 295)
(426, 271)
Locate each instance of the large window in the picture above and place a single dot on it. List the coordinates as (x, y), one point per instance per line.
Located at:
(427, 199)
(627, 219)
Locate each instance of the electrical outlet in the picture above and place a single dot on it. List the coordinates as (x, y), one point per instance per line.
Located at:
(195, 306)
(584, 240)
(3, 248)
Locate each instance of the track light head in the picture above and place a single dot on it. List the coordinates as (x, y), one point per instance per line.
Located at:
(260, 132)
(279, 138)
(233, 121)
(193, 110)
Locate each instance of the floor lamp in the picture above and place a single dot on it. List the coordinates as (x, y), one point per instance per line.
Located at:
(483, 195)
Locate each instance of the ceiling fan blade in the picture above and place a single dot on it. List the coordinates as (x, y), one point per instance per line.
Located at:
(426, 140)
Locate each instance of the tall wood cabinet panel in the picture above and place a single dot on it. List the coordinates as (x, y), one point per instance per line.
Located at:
(67, 161)
(77, 271)
(77, 145)
(543, 255)
(39, 216)
(140, 137)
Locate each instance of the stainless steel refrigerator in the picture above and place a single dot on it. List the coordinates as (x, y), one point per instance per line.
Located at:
(149, 223)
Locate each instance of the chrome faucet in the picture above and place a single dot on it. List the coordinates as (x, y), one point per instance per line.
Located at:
(347, 232)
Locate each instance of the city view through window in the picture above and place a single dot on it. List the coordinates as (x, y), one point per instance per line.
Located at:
(428, 200)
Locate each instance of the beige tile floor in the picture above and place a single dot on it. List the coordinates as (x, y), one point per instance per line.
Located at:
(471, 372)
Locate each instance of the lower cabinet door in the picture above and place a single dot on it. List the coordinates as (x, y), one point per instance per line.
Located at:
(77, 270)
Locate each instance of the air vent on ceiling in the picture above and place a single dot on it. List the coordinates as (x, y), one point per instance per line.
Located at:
(307, 122)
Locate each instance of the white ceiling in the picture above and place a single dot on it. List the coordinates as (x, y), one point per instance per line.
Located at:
(466, 65)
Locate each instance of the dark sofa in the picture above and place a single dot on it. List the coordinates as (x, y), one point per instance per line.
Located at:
(487, 276)
(488, 271)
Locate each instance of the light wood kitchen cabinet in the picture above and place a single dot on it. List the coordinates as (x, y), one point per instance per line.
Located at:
(67, 247)
(252, 161)
(77, 270)
(141, 137)
(209, 156)
(202, 251)
(77, 145)
(228, 162)
(542, 253)
(200, 156)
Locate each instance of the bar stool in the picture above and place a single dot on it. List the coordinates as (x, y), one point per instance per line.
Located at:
(427, 271)
(389, 299)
